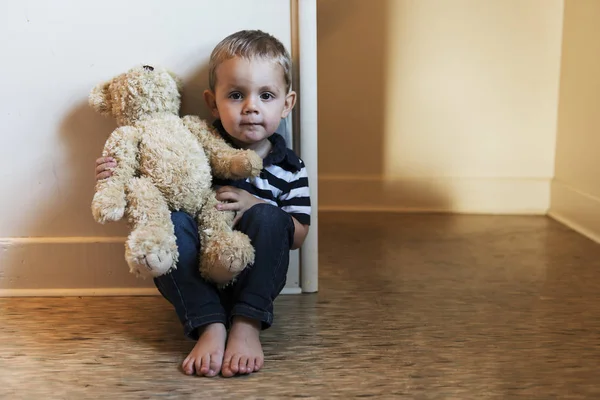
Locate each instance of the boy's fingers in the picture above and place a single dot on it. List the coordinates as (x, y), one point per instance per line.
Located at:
(224, 189)
(105, 166)
(227, 196)
(103, 160)
(103, 175)
(228, 206)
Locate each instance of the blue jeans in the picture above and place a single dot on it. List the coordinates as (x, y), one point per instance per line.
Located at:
(198, 302)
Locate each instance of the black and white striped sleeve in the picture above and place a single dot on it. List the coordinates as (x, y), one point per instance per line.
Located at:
(296, 199)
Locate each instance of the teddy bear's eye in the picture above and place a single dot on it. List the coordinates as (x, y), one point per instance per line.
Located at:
(148, 68)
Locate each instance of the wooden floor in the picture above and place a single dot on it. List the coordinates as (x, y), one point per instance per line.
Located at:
(420, 306)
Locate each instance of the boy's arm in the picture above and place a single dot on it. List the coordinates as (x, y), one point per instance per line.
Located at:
(109, 199)
(296, 202)
(225, 161)
(300, 233)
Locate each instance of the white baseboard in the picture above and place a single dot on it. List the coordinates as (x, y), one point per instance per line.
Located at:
(71, 267)
(455, 195)
(576, 209)
(99, 292)
(82, 292)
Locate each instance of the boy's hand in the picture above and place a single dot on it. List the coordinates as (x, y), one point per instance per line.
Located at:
(104, 167)
(238, 200)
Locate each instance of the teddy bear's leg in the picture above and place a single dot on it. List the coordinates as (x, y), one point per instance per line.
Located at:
(225, 252)
(151, 249)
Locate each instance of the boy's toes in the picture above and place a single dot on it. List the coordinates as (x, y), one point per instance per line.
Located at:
(188, 366)
(235, 364)
(202, 365)
(242, 365)
(250, 366)
(214, 367)
(226, 368)
(226, 371)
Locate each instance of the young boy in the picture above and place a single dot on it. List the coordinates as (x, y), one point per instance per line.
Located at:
(250, 80)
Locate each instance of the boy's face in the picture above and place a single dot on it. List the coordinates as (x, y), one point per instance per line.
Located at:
(250, 99)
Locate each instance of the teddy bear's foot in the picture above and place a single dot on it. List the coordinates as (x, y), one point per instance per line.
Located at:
(226, 255)
(150, 252)
(151, 265)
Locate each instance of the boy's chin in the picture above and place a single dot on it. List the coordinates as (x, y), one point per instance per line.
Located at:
(252, 136)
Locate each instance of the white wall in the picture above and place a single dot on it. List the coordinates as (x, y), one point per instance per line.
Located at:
(438, 105)
(53, 53)
(576, 187)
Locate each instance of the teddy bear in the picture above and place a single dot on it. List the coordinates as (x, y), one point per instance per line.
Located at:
(167, 163)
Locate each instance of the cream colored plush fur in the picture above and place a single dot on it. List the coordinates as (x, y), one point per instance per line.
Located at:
(166, 163)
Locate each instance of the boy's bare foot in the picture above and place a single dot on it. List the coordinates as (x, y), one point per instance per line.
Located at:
(206, 357)
(244, 353)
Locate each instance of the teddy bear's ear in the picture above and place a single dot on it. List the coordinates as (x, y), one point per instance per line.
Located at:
(177, 80)
(99, 98)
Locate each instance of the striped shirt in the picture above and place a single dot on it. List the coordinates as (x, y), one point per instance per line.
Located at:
(283, 181)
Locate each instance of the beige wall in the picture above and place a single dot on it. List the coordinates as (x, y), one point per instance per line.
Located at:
(438, 105)
(576, 187)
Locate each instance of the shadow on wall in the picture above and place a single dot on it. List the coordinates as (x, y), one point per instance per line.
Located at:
(353, 68)
(192, 98)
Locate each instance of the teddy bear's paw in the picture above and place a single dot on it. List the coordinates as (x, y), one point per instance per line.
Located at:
(245, 165)
(107, 211)
(103, 215)
(256, 163)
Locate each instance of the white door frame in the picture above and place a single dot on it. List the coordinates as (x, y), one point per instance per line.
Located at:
(304, 55)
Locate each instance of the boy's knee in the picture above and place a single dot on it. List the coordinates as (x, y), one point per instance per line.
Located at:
(266, 219)
(264, 214)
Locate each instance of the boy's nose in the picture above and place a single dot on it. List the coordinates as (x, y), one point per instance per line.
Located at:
(250, 106)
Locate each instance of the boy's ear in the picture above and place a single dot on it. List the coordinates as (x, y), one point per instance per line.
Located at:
(99, 98)
(211, 102)
(290, 101)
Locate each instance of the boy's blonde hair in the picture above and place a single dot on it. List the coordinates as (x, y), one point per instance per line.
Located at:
(250, 44)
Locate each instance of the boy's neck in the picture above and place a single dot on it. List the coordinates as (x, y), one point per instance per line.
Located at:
(262, 148)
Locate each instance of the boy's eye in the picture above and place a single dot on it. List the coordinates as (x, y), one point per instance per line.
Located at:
(266, 96)
(235, 96)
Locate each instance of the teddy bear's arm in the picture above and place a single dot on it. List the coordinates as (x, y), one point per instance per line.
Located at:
(225, 161)
(109, 200)
(122, 145)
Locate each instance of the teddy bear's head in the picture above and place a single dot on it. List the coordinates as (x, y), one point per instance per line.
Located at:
(137, 94)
